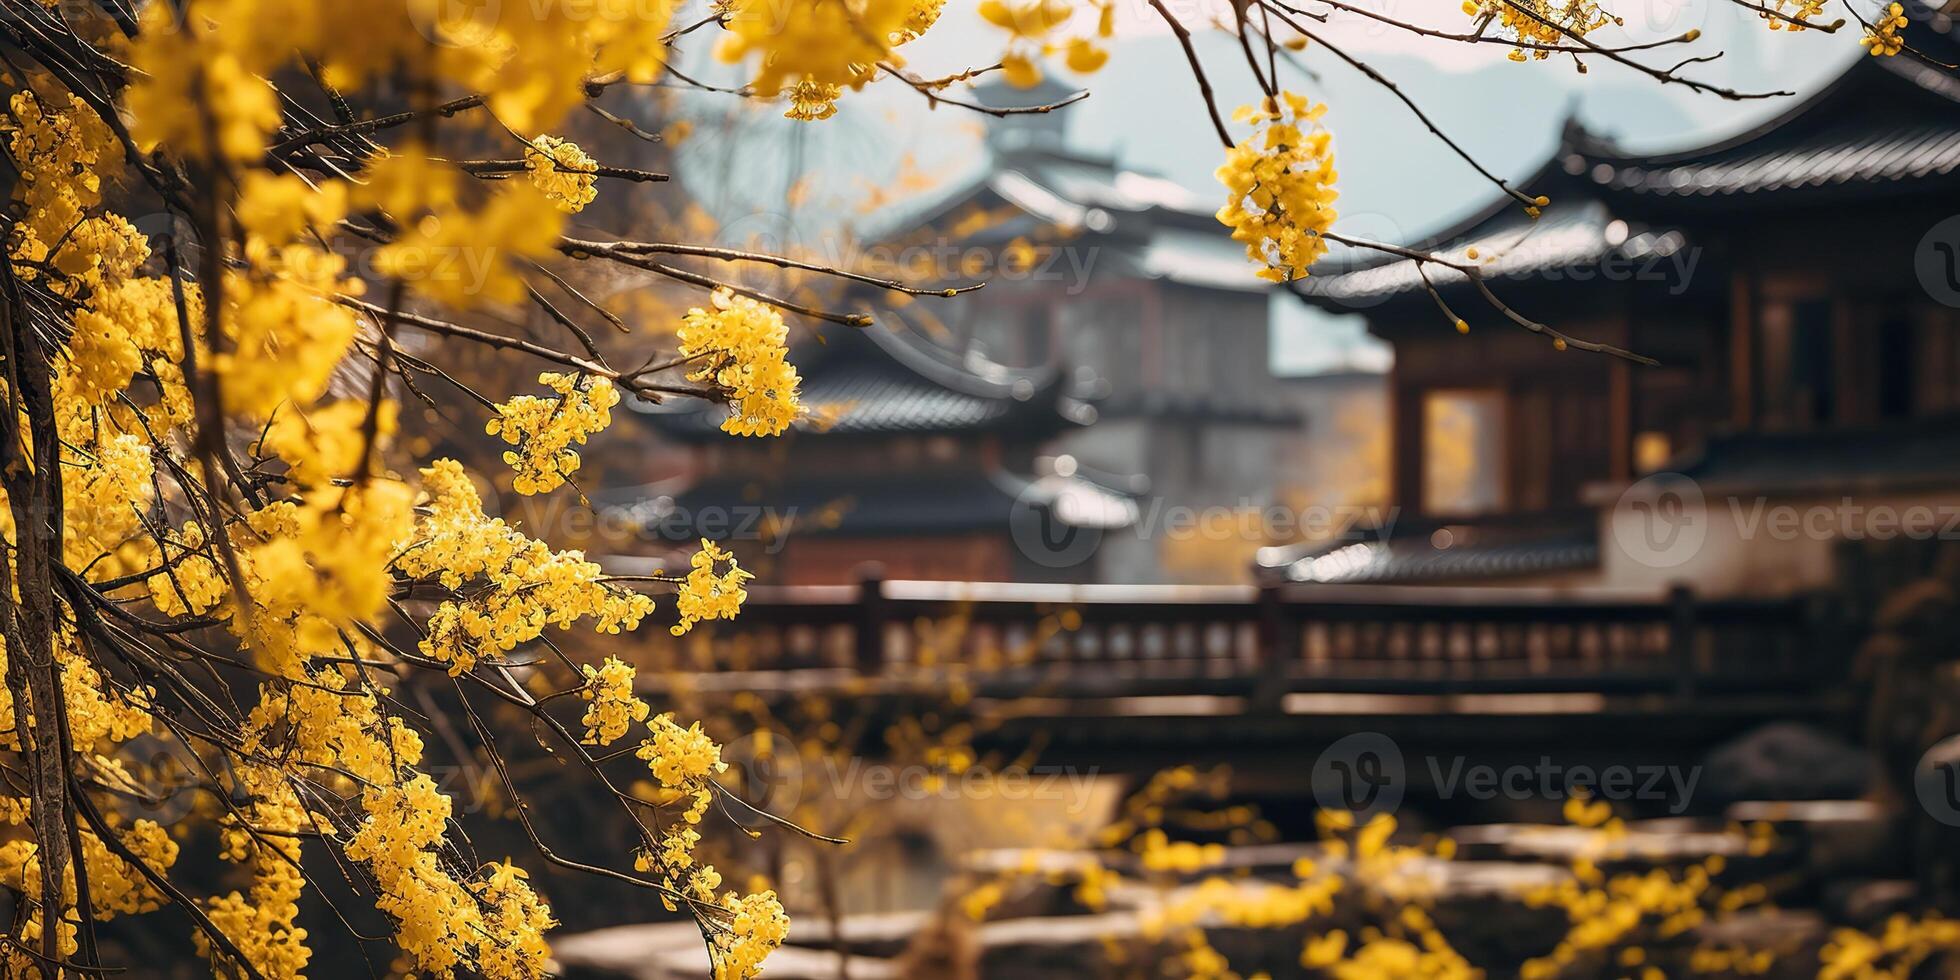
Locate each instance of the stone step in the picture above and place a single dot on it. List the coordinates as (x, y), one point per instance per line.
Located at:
(674, 951)
(1836, 838)
(879, 935)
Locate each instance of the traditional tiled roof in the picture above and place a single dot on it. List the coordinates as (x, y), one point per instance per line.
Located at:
(953, 500)
(1855, 152)
(1884, 125)
(1144, 225)
(1443, 553)
(1883, 122)
(1575, 233)
(883, 380)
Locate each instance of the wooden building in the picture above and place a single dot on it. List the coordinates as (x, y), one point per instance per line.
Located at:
(1784, 278)
(1124, 275)
(911, 456)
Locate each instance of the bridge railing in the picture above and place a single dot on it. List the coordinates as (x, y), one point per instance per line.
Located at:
(1089, 639)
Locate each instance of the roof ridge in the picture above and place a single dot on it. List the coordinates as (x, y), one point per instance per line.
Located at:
(938, 365)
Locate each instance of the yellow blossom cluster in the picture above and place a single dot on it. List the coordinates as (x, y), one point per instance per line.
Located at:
(1892, 952)
(611, 706)
(1611, 916)
(708, 593)
(262, 920)
(1031, 26)
(740, 344)
(228, 494)
(759, 926)
(115, 887)
(529, 62)
(124, 323)
(525, 586)
(1541, 25)
(285, 329)
(63, 149)
(1882, 37)
(544, 428)
(1280, 187)
(1160, 853)
(815, 48)
(492, 923)
(563, 171)
(104, 501)
(1795, 14)
(811, 100)
(682, 760)
(321, 566)
(448, 251)
(685, 763)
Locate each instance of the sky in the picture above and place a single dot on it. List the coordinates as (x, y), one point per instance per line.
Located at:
(1397, 181)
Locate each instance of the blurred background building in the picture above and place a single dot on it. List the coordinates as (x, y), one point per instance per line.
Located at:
(1777, 277)
(1115, 369)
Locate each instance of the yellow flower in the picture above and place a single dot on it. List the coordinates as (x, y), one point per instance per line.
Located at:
(611, 707)
(1280, 187)
(1543, 24)
(835, 43)
(563, 171)
(544, 429)
(708, 594)
(741, 344)
(1020, 70)
(1882, 38)
(1085, 55)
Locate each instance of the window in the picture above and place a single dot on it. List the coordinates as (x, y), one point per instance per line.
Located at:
(1799, 365)
(1463, 452)
(1898, 363)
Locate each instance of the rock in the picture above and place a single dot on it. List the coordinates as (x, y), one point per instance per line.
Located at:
(1785, 760)
(1643, 845)
(1794, 937)
(1268, 948)
(1270, 861)
(1838, 838)
(1065, 947)
(1487, 841)
(626, 952)
(798, 963)
(1867, 904)
(674, 951)
(1783, 930)
(1036, 882)
(1480, 906)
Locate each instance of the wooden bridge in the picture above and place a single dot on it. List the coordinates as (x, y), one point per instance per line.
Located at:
(1108, 672)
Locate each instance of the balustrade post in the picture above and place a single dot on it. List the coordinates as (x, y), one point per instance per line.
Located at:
(1279, 642)
(1681, 638)
(871, 614)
